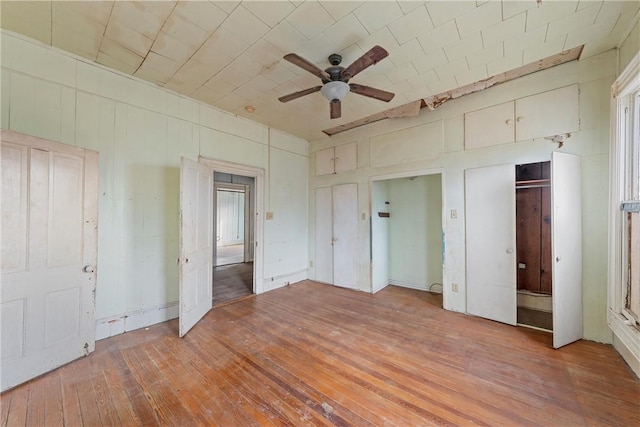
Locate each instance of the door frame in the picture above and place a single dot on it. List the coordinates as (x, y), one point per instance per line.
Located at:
(258, 175)
(409, 174)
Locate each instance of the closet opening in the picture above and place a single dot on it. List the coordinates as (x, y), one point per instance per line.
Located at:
(407, 233)
(533, 245)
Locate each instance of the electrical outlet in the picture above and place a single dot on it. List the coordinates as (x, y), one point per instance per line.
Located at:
(269, 215)
(454, 213)
(454, 287)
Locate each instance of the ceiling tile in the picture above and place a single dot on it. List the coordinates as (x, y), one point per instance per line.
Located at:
(504, 30)
(262, 83)
(171, 48)
(413, 24)
(245, 25)
(583, 4)
(310, 19)
(225, 43)
(128, 38)
(463, 47)
(339, 9)
(265, 53)
(482, 17)
(232, 101)
(422, 81)
(115, 63)
(472, 75)
(346, 32)
(120, 53)
(450, 69)
(33, 19)
(85, 45)
(548, 11)
(439, 37)
(184, 31)
(615, 8)
(482, 57)
(317, 50)
(408, 6)
(582, 19)
(157, 68)
(227, 5)
(511, 8)
(444, 11)
(518, 43)
(590, 34)
(505, 64)
(206, 15)
(375, 15)
(146, 20)
(403, 72)
(548, 48)
(234, 75)
(444, 84)
(402, 54)
(382, 37)
(430, 61)
(285, 37)
(269, 12)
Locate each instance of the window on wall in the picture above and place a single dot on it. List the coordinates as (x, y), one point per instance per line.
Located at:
(625, 182)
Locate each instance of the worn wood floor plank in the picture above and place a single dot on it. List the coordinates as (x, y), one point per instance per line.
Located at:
(312, 354)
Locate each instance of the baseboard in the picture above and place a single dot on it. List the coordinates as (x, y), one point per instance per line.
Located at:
(116, 325)
(276, 282)
(420, 287)
(381, 286)
(626, 340)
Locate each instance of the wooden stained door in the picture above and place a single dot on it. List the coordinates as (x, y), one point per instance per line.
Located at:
(491, 242)
(196, 243)
(49, 255)
(566, 199)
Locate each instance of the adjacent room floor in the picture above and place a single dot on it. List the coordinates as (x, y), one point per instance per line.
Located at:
(231, 282)
(313, 354)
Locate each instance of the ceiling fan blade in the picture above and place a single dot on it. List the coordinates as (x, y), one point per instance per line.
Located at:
(300, 93)
(306, 65)
(336, 109)
(374, 55)
(371, 92)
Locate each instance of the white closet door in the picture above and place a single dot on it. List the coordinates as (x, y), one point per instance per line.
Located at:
(324, 235)
(49, 251)
(196, 243)
(345, 235)
(566, 190)
(491, 241)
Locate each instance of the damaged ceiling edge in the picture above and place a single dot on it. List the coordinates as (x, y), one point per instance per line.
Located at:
(412, 109)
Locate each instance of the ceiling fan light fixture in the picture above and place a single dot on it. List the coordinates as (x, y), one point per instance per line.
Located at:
(335, 90)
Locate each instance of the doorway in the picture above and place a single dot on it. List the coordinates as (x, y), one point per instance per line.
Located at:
(533, 245)
(407, 232)
(234, 236)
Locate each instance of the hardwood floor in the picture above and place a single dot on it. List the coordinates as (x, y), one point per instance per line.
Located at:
(313, 354)
(231, 282)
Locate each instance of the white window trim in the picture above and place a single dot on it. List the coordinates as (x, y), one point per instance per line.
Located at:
(626, 336)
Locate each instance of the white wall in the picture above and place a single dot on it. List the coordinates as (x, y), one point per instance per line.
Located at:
(415, 231)
(435, 139)
(141, 132)
(379, 235)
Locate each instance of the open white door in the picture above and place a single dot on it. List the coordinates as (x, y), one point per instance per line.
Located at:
(196, 243)
(566, 220)
(49, 251)
(490, 220)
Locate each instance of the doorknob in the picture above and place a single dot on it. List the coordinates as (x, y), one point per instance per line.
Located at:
(88, 269)
(557, 259)
(509, 251)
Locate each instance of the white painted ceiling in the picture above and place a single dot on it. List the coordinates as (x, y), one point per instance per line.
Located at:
(229, 53)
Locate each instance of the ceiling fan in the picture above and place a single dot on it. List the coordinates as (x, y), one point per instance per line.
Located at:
(335, 79)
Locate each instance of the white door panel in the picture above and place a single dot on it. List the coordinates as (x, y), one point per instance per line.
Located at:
(566, 190)
(324, 235)
(345, 235)
(491, 242)
(196, 243)
(49, 211)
